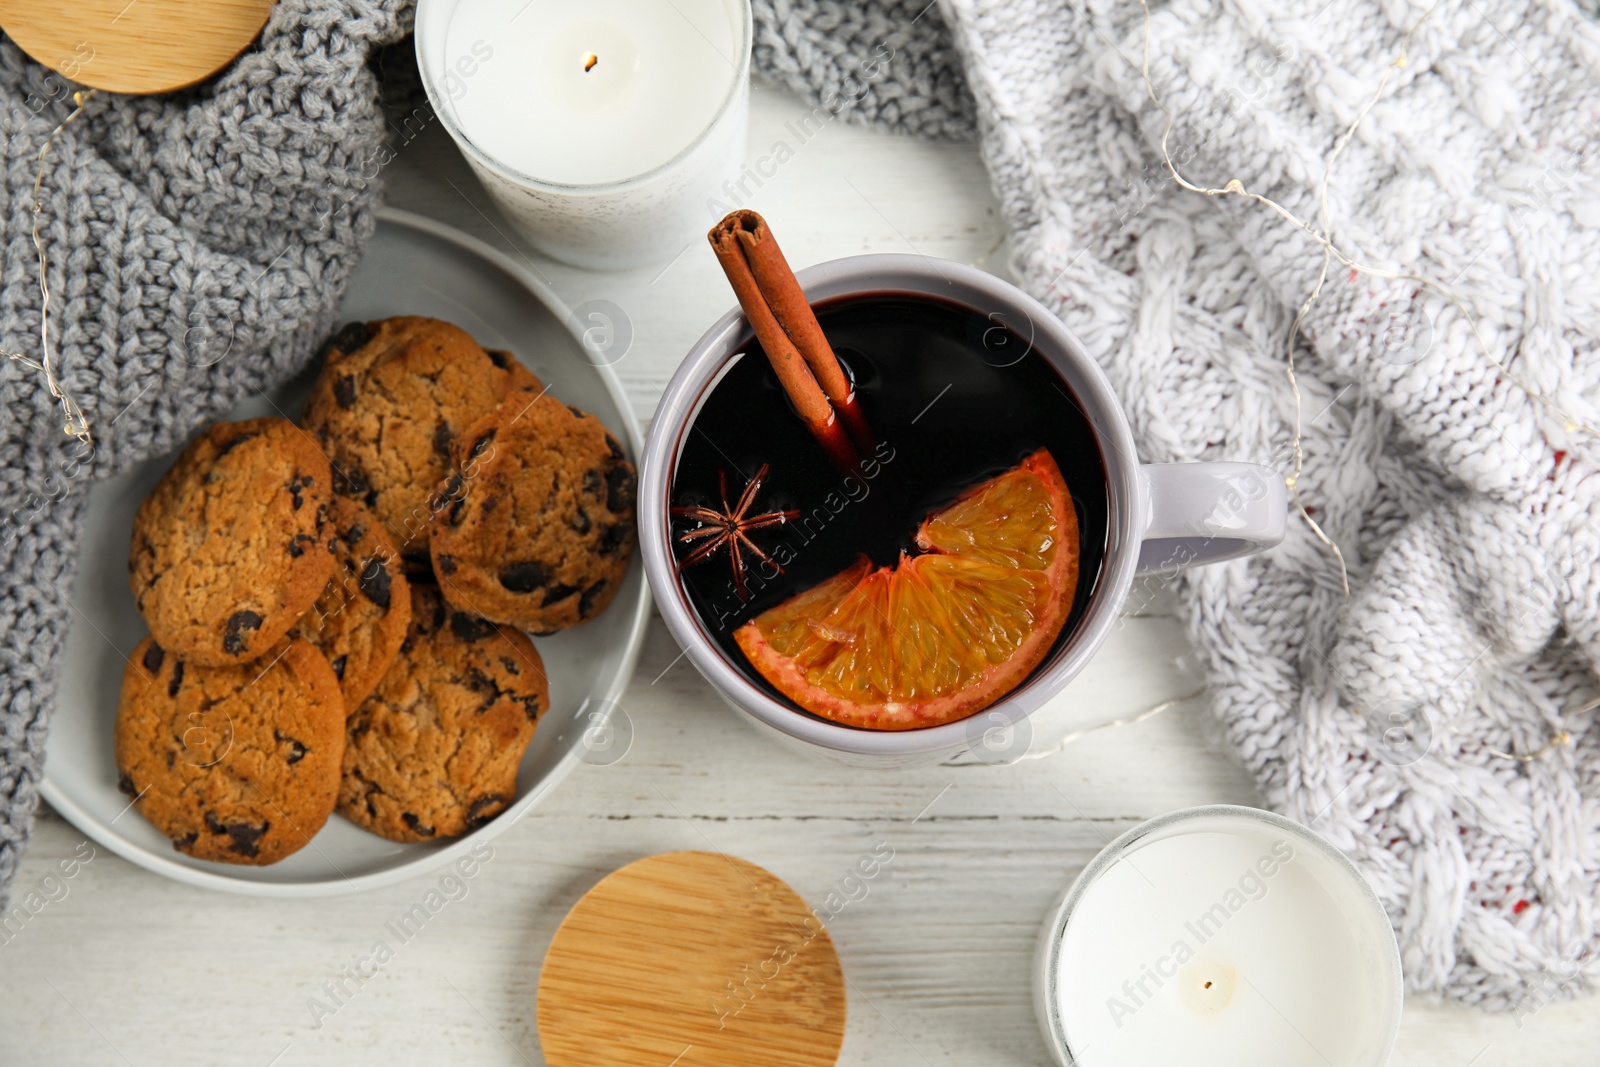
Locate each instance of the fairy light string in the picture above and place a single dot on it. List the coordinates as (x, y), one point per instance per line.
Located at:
(1321, 235)
(75, 425)
(1332, 252)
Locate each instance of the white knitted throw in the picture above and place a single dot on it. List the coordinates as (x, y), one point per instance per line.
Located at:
(1464, 505)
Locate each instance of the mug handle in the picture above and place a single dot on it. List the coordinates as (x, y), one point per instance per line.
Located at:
(1201, 513)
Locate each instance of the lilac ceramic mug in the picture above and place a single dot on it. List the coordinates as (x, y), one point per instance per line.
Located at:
(1160, 517)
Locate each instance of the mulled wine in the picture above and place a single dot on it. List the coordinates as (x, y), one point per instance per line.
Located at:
(953, 397)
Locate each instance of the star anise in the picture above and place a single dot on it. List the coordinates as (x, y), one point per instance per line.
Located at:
(731, 528)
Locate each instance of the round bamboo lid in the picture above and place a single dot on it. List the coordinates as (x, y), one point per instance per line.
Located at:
(134, 46)
(693, 959)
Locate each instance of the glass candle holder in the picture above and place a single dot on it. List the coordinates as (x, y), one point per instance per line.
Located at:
(1219, 936)
(604, 130)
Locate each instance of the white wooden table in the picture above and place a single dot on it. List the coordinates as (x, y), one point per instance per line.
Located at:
(130, 968)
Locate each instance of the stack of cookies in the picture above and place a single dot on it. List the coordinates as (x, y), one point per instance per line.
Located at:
(336, 609)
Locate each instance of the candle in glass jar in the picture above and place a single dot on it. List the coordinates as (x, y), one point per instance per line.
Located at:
(1220, 936)
(594, 92)
(601, 128)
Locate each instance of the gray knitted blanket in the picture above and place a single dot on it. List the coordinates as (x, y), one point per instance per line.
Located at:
(221, 219)
(198, 243)
(229, 217)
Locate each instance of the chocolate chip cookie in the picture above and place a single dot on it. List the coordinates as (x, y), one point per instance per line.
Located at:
(229, 549)
(361, 617)
(434, 751)
(391, 398)
(536, 520)
(238, 764)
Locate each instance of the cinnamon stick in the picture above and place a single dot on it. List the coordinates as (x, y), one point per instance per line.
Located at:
(793, 312)
(790, 334)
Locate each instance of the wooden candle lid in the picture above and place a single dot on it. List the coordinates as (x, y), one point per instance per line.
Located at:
(134, 46)
(693, 959)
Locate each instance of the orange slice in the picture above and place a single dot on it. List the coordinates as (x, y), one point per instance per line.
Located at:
(940, 635)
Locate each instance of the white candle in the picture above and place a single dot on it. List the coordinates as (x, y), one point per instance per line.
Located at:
(1220, 937)
(601, 128)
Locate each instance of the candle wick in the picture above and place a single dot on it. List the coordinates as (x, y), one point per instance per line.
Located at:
(1208, 985)
(589, 61)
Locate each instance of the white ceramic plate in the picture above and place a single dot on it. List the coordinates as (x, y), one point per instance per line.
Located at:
(413, 266)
